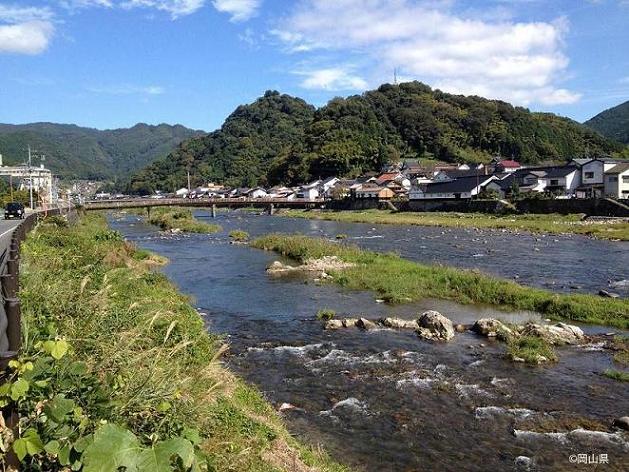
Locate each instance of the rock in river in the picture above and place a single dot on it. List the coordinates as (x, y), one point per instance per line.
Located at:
(622, 423)
(334, 324)
(558, 334)
(398, 323)
(433, 325)
(491, 327)
(364, 323)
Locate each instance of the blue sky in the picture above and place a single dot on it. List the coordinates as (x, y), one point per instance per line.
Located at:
(113, 63)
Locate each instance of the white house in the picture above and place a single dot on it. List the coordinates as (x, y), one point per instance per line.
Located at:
(593, 176)
(617, 181)
(257, 192)
(463, 188)
(328, 184)
(562, 181)
(309, 191)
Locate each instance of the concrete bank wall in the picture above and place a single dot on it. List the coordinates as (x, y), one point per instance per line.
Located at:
(590, 207)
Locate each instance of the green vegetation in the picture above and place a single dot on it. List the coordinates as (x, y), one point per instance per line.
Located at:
(282, 139)
(239, 235)
(531, 349)
(617, 375)
(22, 196)
(552, 223)
(118, 370)
(85, 153)
(178, 218)
(326, 314)
(612, 123)
(396, 280)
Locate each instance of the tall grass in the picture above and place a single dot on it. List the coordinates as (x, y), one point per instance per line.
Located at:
(142, 339)
(552, 223)
(397, 280)
(183, 219)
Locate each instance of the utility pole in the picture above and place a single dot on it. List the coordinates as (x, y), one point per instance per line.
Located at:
(30, 177)
(189, 182)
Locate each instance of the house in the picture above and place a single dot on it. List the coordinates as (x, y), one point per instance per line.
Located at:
(508, 165)
(562, 181)
(389, 179)
(328, 184)
(309, 191)
(463, 188)
(257, 192)
(617, 181)
(413, 169)
(371, 191)
(593, 177)
(452, 174)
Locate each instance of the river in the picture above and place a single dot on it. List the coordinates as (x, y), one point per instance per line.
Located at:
(384, 400)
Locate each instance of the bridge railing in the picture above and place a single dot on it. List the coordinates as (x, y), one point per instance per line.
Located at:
(10, 309)
(200, 202)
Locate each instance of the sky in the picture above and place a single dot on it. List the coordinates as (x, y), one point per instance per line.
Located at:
(113, 63)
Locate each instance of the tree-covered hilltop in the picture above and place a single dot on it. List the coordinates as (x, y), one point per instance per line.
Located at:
(612, 123)
(75, 152)
(281, 139)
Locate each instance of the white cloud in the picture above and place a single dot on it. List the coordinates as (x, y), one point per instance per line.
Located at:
(74, 4)
(25, 30)
(240, 10)
(332, 79)
(127, 89)
(522, 62)
(176, 8)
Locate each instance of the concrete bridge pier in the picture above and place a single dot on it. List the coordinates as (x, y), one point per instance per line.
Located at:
(271, 209)
(214, 210)
(148, 212)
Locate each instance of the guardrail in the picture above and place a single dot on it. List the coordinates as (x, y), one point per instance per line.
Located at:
(10, 310)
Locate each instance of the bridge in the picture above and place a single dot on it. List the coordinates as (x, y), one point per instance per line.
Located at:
(269, 203)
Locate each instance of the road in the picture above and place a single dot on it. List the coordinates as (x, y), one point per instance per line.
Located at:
(7, 225)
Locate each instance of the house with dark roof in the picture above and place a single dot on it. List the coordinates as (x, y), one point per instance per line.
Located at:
(617, 181)
(463, 188)
(562, 181)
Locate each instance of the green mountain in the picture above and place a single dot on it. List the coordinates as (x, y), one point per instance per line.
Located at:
(612, 123)
(75, 152)
(282, 139)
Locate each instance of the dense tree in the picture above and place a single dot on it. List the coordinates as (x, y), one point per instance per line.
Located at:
(613, 123)
(281, 139)
(75, 152)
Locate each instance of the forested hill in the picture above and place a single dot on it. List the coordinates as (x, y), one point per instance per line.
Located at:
(282, 139)
(75, 152)
(612, 123)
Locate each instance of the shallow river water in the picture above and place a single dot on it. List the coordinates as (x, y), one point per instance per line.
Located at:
(384, 400)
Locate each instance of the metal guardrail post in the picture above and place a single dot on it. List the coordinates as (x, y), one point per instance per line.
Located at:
(14, 323)
(9, 285)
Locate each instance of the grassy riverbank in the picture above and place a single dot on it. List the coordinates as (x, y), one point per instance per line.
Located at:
(182, 219)
(397, 280)
(554, 224)
(118, 370)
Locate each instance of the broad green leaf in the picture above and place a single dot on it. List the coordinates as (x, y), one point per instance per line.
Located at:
(56, 349)
(29, 444)
(64, 455)
(159, 457)
(164, 407)
(52, 447)
(19, 389)
(82, 443)
(192, 435)
(58, 408)
(113, 447)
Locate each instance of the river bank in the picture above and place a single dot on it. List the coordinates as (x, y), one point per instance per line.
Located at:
(397, 280)
(125, 371)
(385, 400)
(548, 224)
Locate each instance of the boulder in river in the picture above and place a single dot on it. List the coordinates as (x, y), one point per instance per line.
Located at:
(491, 327)
(350, 322)
(333, 324)
(398, 323)
(433, 325)
(277, 267)
(557, 334)
(607, 294)
(622, 423)
(364, 323)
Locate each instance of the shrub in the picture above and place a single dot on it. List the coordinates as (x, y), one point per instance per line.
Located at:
(530, 348)
(325, 314)
(239, 235)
